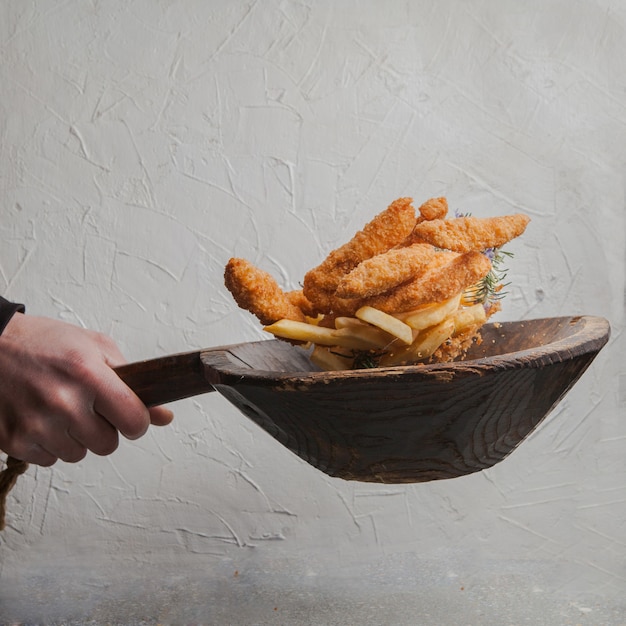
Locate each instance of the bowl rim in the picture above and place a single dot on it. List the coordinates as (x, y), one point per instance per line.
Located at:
(590, 335)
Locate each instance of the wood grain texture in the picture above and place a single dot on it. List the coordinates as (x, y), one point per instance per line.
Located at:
(397, 424)
(417, 423)
(166, 379)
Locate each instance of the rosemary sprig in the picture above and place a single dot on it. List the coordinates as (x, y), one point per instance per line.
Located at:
(364, 359)
(490, 289)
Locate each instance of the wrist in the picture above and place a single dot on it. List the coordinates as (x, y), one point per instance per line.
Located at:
(7, 311)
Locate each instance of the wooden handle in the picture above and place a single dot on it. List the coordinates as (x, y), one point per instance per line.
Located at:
(165, 379)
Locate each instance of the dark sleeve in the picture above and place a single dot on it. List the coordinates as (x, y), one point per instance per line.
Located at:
(7, 311)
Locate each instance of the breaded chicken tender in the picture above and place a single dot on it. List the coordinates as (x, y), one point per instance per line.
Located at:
(433, 209)
(465, 234)
(257, 291)
(386, 230)
(299, 300)
(330, 304)
(385, 271)
(442, 280)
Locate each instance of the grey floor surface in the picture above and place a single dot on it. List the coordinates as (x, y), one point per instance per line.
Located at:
(399, 590)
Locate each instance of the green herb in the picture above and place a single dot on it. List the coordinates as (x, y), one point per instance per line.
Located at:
(364, 359)
(490, 288)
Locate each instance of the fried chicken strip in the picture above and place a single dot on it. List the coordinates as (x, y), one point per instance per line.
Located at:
(464, 234)
(257, 291)
(387, 229)
(299, 300)
(433, 209)
(442, 279)
(330, 304)
(385, 271)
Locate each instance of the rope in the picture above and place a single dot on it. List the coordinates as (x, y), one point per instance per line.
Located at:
(8, 478)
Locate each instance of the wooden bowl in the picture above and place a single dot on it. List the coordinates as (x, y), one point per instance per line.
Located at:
(413, 423)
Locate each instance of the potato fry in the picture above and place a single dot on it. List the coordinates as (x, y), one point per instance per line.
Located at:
(366, 338)
(348, 322)
(386, 322)
(433, 338)
(430, 314)
(422, 348)
(329, 360)
(469, 316)
(301, 331)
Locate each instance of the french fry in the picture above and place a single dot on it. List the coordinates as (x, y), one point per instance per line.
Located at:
(386, 322)
(348, 322)
(301, 331)
(434, 337)
(328, 360)
(431, 314)
(366, 338)
(314, 320)
(422, 348)
(469, 316)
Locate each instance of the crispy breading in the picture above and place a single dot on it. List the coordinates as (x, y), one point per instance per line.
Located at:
(385, 271)
(329, 303)
(256, 290)
(442, 279)
(387, 229)
(298, 299)
(328, 321)
(457, 345)
(433, 209)
(464, 234)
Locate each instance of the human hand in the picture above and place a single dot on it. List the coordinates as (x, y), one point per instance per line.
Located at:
(59, 396)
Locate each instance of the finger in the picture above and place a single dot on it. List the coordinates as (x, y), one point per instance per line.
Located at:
(31, 453)
(62, 445)
(65, 448)
(95, 433)
(160, 416)
(69, 426)
(35, 439)
(118, 405)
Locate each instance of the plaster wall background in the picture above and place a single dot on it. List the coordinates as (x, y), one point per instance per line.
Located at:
(142, 144)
